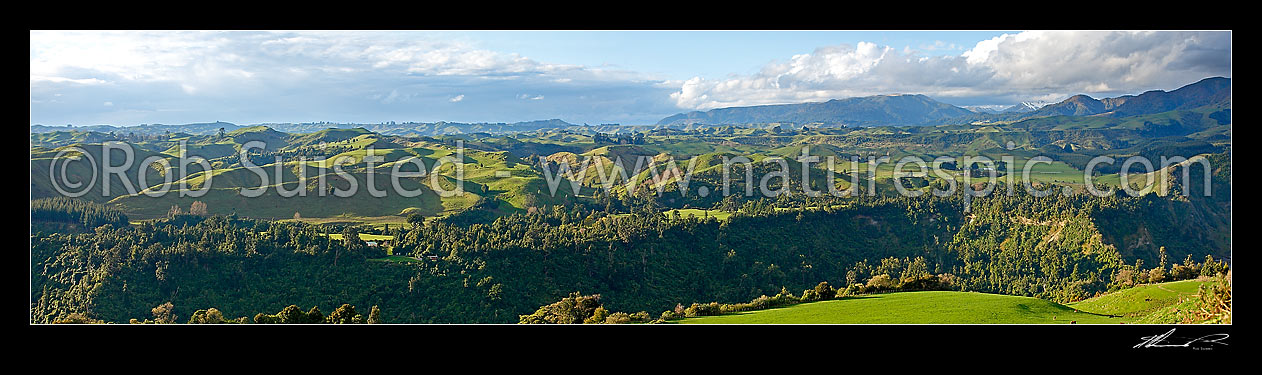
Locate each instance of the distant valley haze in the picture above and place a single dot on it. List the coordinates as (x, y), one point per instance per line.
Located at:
(876, 110)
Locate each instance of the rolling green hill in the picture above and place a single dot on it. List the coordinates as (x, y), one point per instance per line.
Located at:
(1140, 300)
(488, 174)
(934, 307)
(1140, 304)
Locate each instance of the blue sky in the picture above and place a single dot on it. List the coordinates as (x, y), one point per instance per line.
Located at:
(629, 77)
(708, 54)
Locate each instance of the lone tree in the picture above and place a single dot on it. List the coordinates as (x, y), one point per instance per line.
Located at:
(164, 313)
(416, 220)
(344, 314)
(197, 208)
(825, 291)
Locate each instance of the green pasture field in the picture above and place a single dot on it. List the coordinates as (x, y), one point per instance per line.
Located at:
(932, 307)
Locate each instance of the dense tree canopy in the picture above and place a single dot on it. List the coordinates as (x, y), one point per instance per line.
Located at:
(1054, 247)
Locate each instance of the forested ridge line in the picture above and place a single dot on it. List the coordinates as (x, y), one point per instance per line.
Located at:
(643, 261)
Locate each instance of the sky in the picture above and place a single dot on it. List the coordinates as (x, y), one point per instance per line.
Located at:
(128, 78)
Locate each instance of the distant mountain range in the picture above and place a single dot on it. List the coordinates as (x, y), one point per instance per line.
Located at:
(1023, 107)
(869, 110)
(879, 110)
(144, 129)
(391, 128)
(1205, 92)
(903, 110)
(1078, 105)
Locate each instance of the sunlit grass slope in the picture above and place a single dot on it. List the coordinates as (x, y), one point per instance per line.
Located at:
(934, 307)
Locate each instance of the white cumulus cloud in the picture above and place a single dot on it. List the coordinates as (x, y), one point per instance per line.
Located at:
(1004, 69)
(278, 76)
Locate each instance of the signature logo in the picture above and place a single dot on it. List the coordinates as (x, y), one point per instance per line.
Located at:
(1168, 340)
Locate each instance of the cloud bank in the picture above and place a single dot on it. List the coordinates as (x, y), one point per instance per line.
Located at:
(1033, 65)
(254, 77)
(250, 77)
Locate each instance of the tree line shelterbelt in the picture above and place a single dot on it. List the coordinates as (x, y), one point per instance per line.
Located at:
(1061, 248)
(60, 212)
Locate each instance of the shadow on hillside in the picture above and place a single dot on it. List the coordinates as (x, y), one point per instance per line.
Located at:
(853, 297)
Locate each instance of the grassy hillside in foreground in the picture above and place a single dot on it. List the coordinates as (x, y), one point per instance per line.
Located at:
(1140, 300)
(934, 307)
